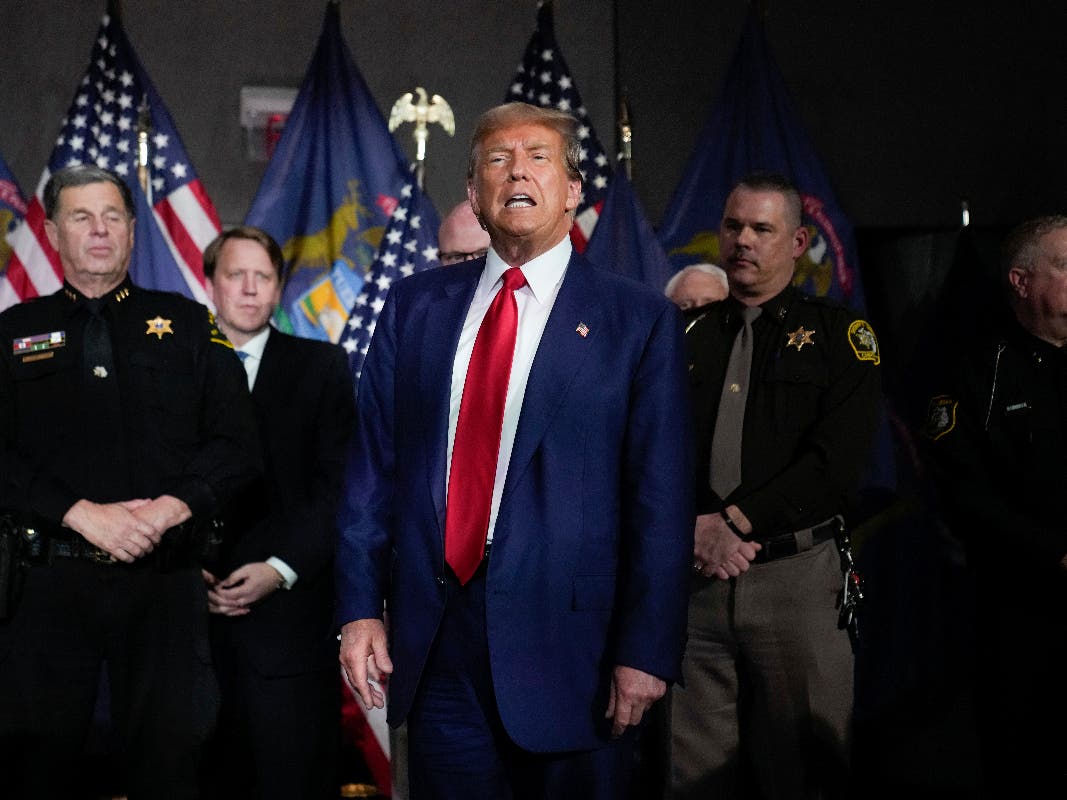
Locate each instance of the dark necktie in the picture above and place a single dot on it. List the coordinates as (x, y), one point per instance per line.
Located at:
(100, 402)
(477, 443)
(97, 345)
(726, 442)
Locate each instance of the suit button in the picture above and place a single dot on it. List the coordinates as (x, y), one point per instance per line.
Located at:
(440, 580)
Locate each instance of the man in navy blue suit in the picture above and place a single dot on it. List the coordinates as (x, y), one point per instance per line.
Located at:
(536, 602)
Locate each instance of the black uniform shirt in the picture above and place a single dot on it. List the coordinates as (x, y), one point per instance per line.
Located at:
(811, 410)
(999, 436)
(167, 411)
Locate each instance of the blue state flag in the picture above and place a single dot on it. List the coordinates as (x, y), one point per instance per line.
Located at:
(12, 210)
(624, 241)
(151, 253)
(328, 193)
(754, 126)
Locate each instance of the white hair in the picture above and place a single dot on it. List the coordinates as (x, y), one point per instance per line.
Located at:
(710, 269)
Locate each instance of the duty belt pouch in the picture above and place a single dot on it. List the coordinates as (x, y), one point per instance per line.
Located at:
(12, 568)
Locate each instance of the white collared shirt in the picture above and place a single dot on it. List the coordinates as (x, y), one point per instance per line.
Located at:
(254, 350)
(544, 276)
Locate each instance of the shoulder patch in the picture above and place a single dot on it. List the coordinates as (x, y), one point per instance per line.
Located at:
(864, 342)
(940, 416)
(217, 336)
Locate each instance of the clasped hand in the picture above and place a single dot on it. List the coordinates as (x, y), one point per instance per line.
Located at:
(718, 552)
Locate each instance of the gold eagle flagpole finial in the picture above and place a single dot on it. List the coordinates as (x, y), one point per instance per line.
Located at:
(423, 113)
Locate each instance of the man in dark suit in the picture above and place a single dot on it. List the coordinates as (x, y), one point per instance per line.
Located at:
(272, 592)
(530, 536)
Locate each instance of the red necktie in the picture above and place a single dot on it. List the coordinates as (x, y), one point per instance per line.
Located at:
(477, 443)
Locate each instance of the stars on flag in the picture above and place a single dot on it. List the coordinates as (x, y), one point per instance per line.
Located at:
(100, 128)
(543, 78)
(407, 247)
(102, 125)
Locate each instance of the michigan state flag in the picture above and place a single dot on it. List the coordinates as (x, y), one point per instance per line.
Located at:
(330, 189)
(754, 126)
(12, 210)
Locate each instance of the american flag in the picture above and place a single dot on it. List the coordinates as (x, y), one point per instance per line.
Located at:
(409, 245)
(543, 79)
(114, 103)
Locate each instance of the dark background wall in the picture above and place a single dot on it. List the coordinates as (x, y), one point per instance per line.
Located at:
(912, 105)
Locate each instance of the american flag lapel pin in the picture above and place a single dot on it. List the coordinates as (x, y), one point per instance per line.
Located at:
(582, 329)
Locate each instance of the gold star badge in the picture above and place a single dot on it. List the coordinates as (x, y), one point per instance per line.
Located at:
(158, 326)
(799, 338)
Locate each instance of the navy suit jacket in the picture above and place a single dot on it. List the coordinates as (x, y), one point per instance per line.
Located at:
(594, 537)
(304, 404)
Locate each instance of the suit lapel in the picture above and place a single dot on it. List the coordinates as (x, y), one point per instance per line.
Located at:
(560, 356)
(440, 336)
(268, 367)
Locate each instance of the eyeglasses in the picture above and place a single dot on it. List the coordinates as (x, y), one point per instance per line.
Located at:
(455, 258)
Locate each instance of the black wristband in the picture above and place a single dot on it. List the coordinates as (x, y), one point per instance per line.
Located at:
(731, 524)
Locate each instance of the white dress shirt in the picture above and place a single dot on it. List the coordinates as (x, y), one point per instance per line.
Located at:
(253, 350)
(544, 275)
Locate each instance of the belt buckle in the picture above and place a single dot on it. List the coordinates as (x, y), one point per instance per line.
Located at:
(99, 556)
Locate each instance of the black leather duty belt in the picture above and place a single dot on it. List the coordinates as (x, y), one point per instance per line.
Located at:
(59, 548)
(790, 544)
(44, 543)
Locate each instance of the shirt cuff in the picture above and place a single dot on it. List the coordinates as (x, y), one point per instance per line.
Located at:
(288, 576)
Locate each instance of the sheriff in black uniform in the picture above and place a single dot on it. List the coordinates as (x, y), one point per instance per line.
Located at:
(768, 674)
(124, 421)
(999, 437)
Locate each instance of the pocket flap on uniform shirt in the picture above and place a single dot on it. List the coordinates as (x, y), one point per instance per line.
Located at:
(799, 370)
(176, 362)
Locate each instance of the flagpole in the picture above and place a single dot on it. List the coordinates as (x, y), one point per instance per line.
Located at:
(144, 132)
(622, 101)
(626, 136)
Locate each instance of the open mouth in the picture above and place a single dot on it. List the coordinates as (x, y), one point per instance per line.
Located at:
(520, 201)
